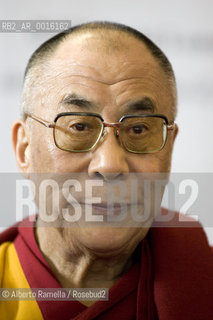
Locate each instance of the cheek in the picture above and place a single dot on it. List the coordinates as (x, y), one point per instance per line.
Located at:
(156, 162)
(46, 157)
(41, 150)
(63, 161)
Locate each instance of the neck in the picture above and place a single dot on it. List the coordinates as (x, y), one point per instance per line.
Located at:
(76, 266)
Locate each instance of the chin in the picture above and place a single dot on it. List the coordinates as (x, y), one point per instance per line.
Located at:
(109, 239)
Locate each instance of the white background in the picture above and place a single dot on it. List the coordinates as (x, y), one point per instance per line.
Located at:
(183, 29)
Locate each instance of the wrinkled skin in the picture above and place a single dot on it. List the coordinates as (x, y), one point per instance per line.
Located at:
(112, 72)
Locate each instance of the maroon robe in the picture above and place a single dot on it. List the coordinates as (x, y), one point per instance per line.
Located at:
(172, 278)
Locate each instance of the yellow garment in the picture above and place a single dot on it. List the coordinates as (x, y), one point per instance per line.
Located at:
(12, 276)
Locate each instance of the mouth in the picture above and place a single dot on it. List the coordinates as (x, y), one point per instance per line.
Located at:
(108, 208)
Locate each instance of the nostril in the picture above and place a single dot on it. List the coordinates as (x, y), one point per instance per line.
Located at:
(98, 175)
(109, 176)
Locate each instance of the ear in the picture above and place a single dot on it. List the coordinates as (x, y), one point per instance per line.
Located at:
(20, 140)
(176, 130)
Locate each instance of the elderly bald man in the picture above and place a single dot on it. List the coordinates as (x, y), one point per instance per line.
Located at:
(99, 101)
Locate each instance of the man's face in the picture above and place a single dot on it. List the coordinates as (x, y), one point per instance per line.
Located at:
(117, 76)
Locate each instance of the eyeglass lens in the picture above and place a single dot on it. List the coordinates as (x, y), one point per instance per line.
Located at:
(80, 133)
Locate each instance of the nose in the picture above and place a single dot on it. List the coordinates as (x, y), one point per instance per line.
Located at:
(109, 158)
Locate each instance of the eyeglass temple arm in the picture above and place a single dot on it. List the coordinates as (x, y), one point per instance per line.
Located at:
(42, 121)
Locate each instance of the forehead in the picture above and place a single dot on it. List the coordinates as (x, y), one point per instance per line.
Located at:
(110, 68)
(103, 54)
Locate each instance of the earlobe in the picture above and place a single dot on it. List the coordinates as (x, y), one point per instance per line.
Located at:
(176, 131)
(21, 145)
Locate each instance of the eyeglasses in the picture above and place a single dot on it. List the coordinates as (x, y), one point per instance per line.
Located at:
(81, 131)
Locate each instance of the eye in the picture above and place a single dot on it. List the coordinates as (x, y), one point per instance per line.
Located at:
(79, 126)
(138, 129)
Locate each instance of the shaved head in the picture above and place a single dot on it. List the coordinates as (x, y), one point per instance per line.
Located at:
(104, 37)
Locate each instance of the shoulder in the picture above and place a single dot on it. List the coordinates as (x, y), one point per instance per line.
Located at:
(180, 236)
(183, 268)
(9, 234)
(6, 253)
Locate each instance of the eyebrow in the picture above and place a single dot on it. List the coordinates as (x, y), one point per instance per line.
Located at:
(77, 100)
(144, 104)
